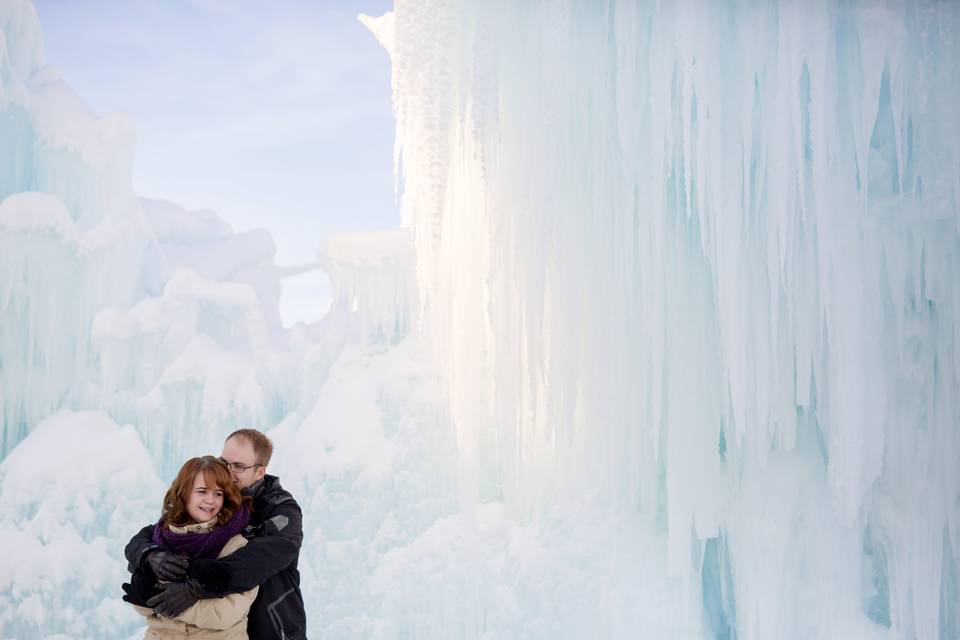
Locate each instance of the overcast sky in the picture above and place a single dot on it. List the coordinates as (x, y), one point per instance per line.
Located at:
(274, 114)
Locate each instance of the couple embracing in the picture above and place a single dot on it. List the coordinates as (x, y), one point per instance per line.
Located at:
(222, 560)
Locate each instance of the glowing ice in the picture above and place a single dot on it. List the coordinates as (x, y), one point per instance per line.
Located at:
(701, 262)
(668, 347)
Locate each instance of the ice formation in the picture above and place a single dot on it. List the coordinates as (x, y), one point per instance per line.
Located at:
(375, 293)
(700, 261)
(69, 493)
(667, 347)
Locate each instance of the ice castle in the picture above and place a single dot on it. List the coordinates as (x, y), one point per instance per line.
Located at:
(667, 346)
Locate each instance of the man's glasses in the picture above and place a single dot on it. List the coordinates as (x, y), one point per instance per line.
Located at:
(238, 467)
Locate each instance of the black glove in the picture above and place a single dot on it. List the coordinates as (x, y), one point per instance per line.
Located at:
(130, 595)
(176, 598)
(168, 566)
(134, 595)
(210, 573)
(142, 587)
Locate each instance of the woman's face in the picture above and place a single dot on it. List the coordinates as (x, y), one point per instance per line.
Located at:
(204, 503)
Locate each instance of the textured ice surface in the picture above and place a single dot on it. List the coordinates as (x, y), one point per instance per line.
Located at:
(69, 493)
(668, 347)
(702, 260)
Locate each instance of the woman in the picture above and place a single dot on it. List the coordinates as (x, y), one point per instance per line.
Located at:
(203, 514)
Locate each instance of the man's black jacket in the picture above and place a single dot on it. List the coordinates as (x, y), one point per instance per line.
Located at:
(269, 561)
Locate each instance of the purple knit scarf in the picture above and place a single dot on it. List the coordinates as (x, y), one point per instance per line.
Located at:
(200, 545)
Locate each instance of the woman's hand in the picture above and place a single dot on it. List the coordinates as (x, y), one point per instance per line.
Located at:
(175, 598)
(140, 588)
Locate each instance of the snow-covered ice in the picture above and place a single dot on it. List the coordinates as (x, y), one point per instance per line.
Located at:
(668, 344)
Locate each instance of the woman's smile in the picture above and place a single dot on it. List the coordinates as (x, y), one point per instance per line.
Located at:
(204, 503)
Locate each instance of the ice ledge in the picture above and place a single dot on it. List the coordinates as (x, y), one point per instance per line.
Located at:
(32, 212)
(373, 279)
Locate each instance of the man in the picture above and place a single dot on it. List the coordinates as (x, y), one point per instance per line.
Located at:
(269, 559)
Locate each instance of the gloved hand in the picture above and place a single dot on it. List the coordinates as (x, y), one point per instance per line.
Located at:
(176, 598)
(168, 566)
(133, 595)
(212, 574)
(142, 586)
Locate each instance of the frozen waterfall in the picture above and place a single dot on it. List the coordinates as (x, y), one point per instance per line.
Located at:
(668, 345)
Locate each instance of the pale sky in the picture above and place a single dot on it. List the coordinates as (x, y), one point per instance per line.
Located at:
(274, 114)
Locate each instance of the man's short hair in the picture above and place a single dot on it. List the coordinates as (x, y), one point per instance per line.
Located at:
(262, 447)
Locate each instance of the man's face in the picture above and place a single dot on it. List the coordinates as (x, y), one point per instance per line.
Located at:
(240, 451)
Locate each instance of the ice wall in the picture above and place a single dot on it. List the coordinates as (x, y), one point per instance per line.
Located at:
(701, 262)
(164, 318)
(80, 230)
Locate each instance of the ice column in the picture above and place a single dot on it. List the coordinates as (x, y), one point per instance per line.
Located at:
(68, 251)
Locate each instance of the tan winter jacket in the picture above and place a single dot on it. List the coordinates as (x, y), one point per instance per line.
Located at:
(211, 619)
